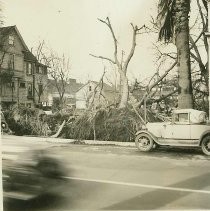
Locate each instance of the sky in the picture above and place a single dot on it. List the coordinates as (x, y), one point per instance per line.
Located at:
(71, 27)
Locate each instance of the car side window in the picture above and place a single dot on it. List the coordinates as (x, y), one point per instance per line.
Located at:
(181, 118)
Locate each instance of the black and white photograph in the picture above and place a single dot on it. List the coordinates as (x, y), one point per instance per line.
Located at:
(105, 105)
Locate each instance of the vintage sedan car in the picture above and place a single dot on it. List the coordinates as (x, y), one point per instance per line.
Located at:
(188, 128)
(30, 173)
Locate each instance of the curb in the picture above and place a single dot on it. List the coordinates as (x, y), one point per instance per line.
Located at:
(90, 142)
(71, 141)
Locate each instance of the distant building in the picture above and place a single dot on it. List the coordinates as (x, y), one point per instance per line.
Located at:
(69, 95)
(97, 94)
(28, 76)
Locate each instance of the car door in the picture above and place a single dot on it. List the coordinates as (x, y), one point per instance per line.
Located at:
(167, 131)
(181, 127)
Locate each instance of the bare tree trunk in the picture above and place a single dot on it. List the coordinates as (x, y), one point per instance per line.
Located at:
(121, 68)
(124, 91)
(182, 8)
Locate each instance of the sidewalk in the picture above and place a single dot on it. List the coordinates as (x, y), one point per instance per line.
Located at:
(69, 141)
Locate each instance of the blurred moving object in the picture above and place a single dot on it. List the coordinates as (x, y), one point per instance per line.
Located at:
(28, 174)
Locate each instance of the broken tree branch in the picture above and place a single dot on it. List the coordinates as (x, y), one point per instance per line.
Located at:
(102, 57)
(156, 83)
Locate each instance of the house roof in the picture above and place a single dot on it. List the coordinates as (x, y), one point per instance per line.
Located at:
(69, 87)
(4, 31)
(106, 87)
(42, 64)
(29, 56)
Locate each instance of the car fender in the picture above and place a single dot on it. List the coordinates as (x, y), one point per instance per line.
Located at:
(203, 135)
(148, 133)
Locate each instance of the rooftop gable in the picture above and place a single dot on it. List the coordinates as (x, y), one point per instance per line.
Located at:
(4, 31)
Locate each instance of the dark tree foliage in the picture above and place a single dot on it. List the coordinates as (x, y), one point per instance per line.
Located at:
(165, 19)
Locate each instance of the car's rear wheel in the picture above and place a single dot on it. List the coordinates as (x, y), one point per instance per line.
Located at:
(205, 145)
(144, 142)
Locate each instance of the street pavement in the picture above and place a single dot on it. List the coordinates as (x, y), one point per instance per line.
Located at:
(113, 177)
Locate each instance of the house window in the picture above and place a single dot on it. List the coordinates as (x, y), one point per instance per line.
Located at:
(44, 104)
(29, 68)
(11, 40)
(11, 85)
(30, 90)
(45, 70)
(22, 85)
(11, 62)
(40, 89)
(40, 70)
(90, 88)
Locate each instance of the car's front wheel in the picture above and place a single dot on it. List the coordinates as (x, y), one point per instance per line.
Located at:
(144, 142)
(205, 145)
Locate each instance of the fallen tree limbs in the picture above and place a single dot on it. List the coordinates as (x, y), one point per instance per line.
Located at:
(149, 89)
(59, 130)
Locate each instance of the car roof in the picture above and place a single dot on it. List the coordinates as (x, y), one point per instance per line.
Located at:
(188, 110)
(196, 116)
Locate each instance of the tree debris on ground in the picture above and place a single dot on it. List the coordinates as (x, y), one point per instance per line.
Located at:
(27, 121)
(107, 124)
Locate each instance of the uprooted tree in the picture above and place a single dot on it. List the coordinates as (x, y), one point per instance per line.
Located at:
(121, 64)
